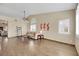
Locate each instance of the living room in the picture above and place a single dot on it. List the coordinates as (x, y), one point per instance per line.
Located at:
(38, 29)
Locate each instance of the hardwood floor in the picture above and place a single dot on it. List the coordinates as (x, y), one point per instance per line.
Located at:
(28, 47)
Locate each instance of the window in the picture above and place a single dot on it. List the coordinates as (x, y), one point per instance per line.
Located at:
(64, 26)
(33, 25)
(33, 28)
(77, 24)
(18, 30)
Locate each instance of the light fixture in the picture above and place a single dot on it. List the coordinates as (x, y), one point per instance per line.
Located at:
(24, 15)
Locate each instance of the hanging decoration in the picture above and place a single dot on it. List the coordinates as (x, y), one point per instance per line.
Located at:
(44, 26)
(41, 26)
(48, 26)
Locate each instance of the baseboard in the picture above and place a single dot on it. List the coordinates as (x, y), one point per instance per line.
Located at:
(59, 41)
(15, 36)
(47, 39)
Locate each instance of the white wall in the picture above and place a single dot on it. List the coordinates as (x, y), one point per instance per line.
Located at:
(53, 19)
(12, 27)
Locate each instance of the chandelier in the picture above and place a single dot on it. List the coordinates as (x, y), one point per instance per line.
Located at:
(24, 18)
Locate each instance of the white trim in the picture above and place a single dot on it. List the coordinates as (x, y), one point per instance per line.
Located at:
(62, 24)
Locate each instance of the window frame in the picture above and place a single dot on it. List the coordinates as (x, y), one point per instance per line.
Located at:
(33, 22)
(61, 28)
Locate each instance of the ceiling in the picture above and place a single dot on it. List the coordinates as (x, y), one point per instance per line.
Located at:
(17, 9)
